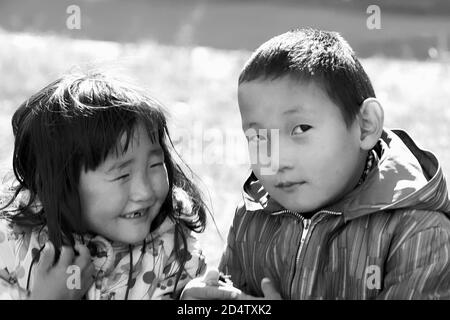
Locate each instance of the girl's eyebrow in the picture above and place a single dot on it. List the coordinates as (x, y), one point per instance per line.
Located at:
(156, 152)
(119, 165)
(122, 164)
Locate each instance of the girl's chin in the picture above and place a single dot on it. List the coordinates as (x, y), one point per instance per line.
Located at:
(126, 231)
(131, 236)
(130, 241)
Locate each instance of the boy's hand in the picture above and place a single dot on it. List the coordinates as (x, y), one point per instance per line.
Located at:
(209, 287)
(268, 289)
(51, 281)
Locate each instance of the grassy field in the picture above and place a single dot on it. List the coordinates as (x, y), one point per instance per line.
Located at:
(198, 87)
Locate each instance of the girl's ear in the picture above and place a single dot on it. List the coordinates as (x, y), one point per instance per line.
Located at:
(371, 121)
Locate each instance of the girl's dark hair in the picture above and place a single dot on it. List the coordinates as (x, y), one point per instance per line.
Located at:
(72, 125)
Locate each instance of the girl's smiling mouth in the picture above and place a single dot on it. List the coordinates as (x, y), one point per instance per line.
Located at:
(136, 214)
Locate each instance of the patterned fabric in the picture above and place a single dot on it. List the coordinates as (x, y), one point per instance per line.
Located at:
(387, 239)
(154, 270)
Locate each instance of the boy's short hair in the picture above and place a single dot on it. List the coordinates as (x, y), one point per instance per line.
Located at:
(314, 55)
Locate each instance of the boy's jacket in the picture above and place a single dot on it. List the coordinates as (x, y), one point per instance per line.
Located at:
(154, 273)
(387, 239)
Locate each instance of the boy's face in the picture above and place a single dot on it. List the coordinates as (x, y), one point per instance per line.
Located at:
(319, 158)
(124, 194)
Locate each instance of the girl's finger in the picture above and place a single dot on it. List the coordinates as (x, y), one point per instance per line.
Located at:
(84, 257)
(88, 276)
(66, 256)
(46, 257)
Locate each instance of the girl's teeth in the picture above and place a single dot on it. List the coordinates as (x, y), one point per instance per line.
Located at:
(134, 215)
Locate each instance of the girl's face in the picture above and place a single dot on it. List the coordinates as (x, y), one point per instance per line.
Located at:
(120, 199)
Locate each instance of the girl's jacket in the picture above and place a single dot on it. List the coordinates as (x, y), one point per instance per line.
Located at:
(154, 272)
(388, 239)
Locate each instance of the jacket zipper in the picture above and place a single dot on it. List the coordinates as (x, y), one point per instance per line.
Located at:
(307, 227)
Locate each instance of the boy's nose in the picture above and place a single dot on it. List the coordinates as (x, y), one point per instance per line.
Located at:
(286, 157)
(284, 166)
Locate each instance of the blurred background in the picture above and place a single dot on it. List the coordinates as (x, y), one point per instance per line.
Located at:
(188, 54)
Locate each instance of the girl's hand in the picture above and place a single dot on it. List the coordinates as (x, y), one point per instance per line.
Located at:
(69, 278)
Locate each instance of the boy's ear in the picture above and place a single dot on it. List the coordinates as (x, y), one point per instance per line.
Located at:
(371, 121)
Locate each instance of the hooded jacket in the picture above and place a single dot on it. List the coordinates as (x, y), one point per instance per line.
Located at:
(154, 275)
(389, 238)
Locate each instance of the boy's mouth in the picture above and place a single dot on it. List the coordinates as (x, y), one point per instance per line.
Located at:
(135, 214)
(288, 185)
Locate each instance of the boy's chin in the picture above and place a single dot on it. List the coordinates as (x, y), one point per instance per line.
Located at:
(299, 207)
(302, 210)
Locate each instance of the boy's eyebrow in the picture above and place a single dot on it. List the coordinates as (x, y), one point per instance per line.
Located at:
(294, 109)
(251, 124)
(122, 164)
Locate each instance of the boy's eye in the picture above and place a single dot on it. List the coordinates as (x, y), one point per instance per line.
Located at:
(301, 128)
(257, 138)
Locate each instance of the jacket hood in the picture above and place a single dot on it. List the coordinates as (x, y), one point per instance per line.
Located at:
(405, 177)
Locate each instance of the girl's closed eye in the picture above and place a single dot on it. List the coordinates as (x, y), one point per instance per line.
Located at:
(152, 164)
(156, 164)
(121, 177)
(156, 160)
(300, 129)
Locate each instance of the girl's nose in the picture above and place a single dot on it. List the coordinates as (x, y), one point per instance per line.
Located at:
(141, 189)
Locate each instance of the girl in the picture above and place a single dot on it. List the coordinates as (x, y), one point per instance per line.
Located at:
(101, 209)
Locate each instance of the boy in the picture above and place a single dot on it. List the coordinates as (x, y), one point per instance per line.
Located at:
(352, 211)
